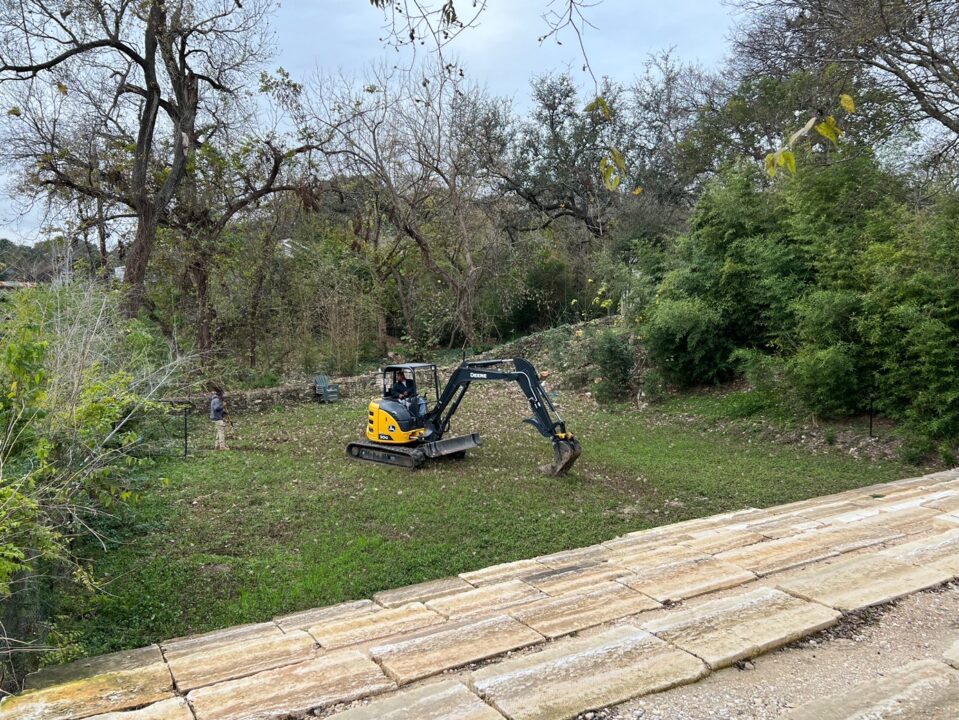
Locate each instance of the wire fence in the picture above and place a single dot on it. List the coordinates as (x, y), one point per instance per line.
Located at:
(172, 429)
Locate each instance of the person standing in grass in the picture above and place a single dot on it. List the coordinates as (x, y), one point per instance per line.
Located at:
(218, 416)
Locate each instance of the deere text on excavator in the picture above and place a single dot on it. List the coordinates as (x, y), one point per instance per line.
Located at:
(405, 428)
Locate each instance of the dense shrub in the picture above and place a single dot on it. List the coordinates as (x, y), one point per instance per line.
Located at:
(614, 357)
(685, 339)
(826, 289)
(825, 380)
(76, 377)
(761, 370)
(826, 317)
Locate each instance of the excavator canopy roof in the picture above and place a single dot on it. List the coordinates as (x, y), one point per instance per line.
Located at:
(409, 366)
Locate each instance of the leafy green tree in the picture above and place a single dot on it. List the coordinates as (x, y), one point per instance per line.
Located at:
(75, 377)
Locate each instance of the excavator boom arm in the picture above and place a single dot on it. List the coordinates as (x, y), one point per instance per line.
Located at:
(546, 419)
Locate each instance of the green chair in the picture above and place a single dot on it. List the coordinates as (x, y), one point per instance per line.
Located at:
(324, 390)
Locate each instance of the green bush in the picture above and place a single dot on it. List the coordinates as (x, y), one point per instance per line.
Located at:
(76, 378)
(614, 358)
(685, 339)
(826, 317)
(825, 380)
(761, 370)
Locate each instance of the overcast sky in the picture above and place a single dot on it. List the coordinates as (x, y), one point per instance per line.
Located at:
(502, 53)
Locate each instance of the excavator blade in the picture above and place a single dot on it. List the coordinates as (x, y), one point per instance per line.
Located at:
(452, 446)
(566, 452)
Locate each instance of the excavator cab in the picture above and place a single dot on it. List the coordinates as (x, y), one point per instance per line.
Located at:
(416, 385)
(408, 424)
(399, 417)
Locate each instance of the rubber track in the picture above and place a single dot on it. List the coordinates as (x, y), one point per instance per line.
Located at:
(397, 456)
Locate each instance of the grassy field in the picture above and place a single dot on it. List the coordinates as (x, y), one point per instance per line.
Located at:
(284, 521)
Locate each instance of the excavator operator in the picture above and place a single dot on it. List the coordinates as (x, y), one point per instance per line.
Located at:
(405, 390)
(402, 388)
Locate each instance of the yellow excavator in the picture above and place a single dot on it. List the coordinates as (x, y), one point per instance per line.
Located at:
(405, 429)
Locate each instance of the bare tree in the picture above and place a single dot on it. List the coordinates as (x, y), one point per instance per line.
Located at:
(911, 47)
(408, 139)
(141, 76)
(436, 23)
(233, 173)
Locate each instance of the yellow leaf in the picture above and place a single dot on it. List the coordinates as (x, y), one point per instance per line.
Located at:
(789, 160)
(62, 88)
(638, 191)
(829, 129)
(618, 159)
(771, 165)
(848, 104)
(601, 105)
(612, 181)
(15, 111)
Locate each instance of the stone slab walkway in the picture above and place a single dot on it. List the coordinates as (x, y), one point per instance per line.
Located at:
(552, 637)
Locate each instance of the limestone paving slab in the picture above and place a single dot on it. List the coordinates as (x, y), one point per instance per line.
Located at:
(445, 700)
(712, 522)
(939, 551)
(638, 560)
(906, 520)
(502, 572)
(648, 541)
(294, 689)
(571, 578)
(782, 554)
(686, 578)
(860, 581)
(235, 660)
(573, 676)
(951, 656)
(422, 592)
(821, 509)
(569, 613)
(485, 600)
(948, 504)
(946, 522)
(851, 513)
(88, 667)
(926, 690)
(576, 556)
(901, 498)
(740, 626)
(672, 535)
(783, 526)
(107, 692)
(926, 499)
(393, 621)
(173, 709)
(308, 618)
(218, 638)
(714, 541)
(425, 654)
(812, 507)
(857, 535)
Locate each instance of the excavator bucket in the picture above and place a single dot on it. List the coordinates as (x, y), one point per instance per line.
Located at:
(566, 452)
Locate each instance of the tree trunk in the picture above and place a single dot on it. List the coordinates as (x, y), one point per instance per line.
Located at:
(266, 256)
(137, 258)
(102, 236)
(381, 333)
(204, 312)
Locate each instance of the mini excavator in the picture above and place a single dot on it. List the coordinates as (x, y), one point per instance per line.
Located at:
(404, 430)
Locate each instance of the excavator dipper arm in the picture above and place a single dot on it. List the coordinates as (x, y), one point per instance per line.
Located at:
(545, 419)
